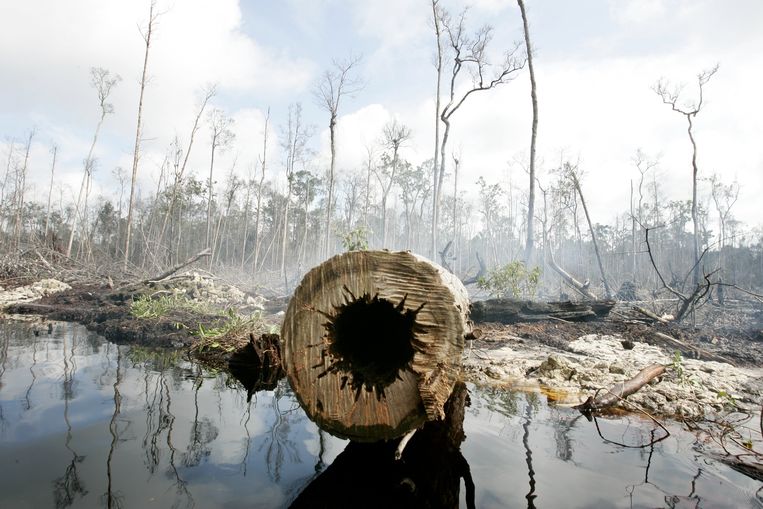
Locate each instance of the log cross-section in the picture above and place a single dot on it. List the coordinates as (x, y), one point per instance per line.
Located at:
(373, 341)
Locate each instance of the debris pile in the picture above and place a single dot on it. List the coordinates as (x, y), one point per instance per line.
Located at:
(31, 292)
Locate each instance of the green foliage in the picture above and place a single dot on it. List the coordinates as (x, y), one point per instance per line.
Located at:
(147, 306)
(355, 239)
(512, 279)
(232, 323)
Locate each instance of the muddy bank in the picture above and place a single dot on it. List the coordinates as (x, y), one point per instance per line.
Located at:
(212, 320)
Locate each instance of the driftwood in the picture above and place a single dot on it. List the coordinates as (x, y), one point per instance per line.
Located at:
(649, 314)
(687, 349)
(621, 390)
(189, 261)
(509, 311)
(372, 343)
(581, 288)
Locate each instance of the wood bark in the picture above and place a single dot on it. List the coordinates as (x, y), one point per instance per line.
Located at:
(340, 315)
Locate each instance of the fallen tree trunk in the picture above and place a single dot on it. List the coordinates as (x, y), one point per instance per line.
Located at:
(509, 311)
(579, 287)
(621, 390)
(372, 342)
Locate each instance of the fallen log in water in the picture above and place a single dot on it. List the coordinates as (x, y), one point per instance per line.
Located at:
(621, 390)
(372, 342)
(509, 311)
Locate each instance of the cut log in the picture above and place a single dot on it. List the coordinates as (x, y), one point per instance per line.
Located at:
(373, 341)
(509, 311)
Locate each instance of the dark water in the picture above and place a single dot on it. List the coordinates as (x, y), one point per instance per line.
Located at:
(84, 423)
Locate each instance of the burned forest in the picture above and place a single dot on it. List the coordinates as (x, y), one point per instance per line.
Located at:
(405, 254)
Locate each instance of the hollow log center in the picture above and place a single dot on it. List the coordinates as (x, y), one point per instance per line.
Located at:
(371, 339)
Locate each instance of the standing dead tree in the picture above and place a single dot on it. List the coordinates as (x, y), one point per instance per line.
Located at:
(469, 53)
(334, 84)
(687, 302)
(395, 135)
(571, 172)
(671, 96)
(529, 243)
(152, 17)
(437, 14)
(20, 191)
(53, 149)
(295, 142)
(263, 160)
(103, 82)
(222, 136)
(179, 169)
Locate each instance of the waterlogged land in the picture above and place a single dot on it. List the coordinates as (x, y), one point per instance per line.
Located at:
(87, 423)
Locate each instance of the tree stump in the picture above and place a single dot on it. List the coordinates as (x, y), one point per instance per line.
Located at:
(373, 341)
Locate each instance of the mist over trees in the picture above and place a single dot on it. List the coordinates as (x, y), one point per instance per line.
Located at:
(274, 219)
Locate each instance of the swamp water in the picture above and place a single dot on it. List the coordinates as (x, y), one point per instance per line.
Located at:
(85, 423)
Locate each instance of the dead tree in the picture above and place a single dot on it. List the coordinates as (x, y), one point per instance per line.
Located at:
(437, 14)
(572, 175)
(469, 53)
(334, 84)
(20, 191)
(263, 160)
(671, 97)
(687, 302)
(395, 135)
(372, 342)
(152, 17)
(54, 149)
(221, 136)
(103, 82)
(179, 169)
(295, 144)
(529, 244)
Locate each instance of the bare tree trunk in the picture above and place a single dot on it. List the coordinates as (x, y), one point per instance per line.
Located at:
(258, 237)
(50, 194)
(332, 164)
(576, 183)
(435, 180)
(694, 216)
(138, 131)
(208, 94)
(529, 245)
(209, 195)
(20, 188)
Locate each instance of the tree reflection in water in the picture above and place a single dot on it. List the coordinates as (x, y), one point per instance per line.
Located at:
(69, 486)
(6, 340)
(277, 445)
(113, 498)
(27, 395)
(203, 431)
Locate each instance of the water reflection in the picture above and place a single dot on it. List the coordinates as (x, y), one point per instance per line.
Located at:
(84, 423)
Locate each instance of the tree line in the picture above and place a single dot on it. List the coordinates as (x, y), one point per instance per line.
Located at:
(274, 232)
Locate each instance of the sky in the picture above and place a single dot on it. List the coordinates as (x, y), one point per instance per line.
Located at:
(595, 60)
